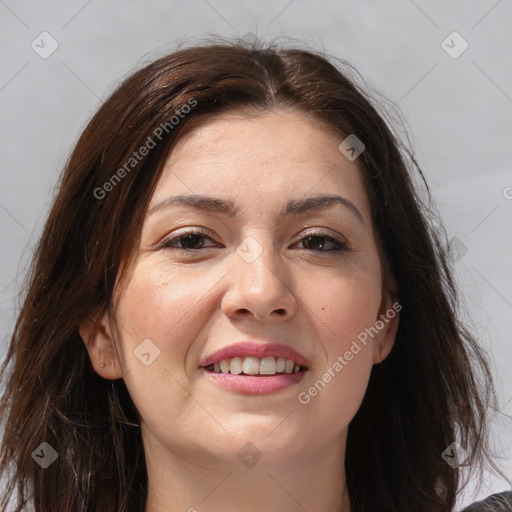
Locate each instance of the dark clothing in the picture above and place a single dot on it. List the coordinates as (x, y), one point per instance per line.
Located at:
(501, 502)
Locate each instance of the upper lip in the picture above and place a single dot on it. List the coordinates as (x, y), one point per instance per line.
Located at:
(254, 349)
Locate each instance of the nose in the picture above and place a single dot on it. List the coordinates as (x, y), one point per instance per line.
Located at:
(260, 287)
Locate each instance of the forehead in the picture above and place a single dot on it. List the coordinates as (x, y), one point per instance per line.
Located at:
(261, 155)
(257, 135)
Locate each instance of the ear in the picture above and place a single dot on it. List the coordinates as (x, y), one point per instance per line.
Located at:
(97, 337)
(388, 319)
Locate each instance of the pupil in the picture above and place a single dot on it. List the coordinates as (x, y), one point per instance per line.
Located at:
(315, 238)
(194, 239)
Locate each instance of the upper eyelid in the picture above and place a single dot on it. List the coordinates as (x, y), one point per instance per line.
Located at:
(191, 231)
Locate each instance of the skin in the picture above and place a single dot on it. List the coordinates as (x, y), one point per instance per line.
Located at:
(191, 306)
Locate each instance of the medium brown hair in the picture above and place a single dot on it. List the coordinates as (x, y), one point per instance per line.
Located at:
(433, 389)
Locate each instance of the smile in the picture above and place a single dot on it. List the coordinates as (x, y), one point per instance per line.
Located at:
(255, 366)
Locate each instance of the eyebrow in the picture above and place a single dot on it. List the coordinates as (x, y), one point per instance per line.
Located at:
(228, 207)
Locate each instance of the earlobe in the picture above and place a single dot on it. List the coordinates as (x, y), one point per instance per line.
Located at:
(97, 337)
(383, 343)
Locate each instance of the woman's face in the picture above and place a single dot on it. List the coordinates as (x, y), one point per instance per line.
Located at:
(263, 263)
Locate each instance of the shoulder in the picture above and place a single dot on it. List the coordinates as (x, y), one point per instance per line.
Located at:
(500, 502)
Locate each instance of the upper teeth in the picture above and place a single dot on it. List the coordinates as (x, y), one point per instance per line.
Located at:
(256, 366)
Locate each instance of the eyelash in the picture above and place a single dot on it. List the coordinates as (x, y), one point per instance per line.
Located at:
(341, 246)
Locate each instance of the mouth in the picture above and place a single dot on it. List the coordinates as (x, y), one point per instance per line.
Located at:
(255, 366)
(255, 359)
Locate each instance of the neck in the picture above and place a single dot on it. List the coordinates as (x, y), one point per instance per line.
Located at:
(192, 481)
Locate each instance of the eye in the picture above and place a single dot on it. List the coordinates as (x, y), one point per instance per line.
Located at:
(322, 241)
(189, 241)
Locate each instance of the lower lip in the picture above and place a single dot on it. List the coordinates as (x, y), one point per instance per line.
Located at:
(255, 385)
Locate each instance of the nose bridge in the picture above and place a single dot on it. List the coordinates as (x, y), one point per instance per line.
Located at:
(258, 260)
(261, 283)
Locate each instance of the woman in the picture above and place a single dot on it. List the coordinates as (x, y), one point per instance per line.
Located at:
(239, 301)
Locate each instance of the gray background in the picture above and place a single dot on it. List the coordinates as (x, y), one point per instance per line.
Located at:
(458, 112)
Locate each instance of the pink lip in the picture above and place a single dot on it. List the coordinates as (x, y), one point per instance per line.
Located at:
(255, 384)
(260, 350)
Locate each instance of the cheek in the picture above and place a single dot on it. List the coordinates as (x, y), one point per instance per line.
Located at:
(168, 305)
(156, 311)
(155, 316)
(349, 305)
(333, 395)
(156, 302)
(348, 308)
